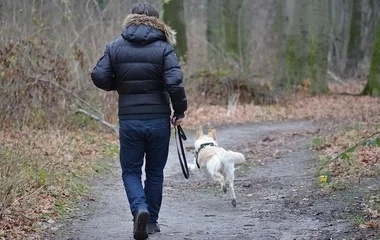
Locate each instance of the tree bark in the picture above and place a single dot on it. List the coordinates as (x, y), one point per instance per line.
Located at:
(353, 51)
(296, 54)
(280, 26)
(231, 25)
(372, 87)
(340, 22)
(304, 45)
(223, 28)
(373, 15)
(215, 29)
(174, 16)
(319, 43)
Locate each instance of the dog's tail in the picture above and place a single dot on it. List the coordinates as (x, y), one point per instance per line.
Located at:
(234, 157)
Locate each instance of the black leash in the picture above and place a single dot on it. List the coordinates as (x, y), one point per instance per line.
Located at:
(179, 137)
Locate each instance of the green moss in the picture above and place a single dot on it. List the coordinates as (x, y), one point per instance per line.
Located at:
(173, 15)
(353, 50)
(295, 62)
(373, 84)
(318, 51)
(313, 53)
(231, 27)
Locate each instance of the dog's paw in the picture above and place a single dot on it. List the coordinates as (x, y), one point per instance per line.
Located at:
(233, 202)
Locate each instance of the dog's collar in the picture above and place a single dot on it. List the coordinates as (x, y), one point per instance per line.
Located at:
(199, 149)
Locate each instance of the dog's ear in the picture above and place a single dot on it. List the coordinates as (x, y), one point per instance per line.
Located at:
(199, 132)
(212, 132)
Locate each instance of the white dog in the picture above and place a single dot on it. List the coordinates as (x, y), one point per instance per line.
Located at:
(218, 162)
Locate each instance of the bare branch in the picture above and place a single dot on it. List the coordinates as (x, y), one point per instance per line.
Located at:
(20, 198)
(44, 29)
(67, 92)
(82, 31)
(355, 145)
(335, 77)
(111, 126)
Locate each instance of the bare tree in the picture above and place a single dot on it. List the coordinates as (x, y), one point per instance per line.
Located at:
(353, 50)
(319, 42)
(304, 45)
(294, 62)
(373, 82)
(215, 29)
(340, 23)
(174, 15)
(196, 24)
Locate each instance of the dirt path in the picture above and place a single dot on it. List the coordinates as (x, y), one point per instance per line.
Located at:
(276, 200)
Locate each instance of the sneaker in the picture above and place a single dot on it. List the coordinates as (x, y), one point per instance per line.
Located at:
(153, 228)
(140, 223)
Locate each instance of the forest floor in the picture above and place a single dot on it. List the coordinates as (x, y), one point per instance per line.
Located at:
(278, 192)
(289, 188)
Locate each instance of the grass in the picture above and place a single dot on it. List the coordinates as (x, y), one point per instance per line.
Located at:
(318, 143)
(44, 173)
(359, 219)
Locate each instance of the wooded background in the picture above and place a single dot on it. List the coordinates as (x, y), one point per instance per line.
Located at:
(231, 51)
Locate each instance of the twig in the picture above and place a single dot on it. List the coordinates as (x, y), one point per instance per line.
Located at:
(20, 198)
(82, 31)
(335, 77)
(44, 29)
(357, 144)
(113, 127)
(68, 92)
(17, 214)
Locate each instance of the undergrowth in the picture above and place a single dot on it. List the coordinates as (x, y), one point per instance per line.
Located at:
(42, 174)
(350, 157)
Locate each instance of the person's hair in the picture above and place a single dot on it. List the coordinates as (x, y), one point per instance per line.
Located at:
(146, 9)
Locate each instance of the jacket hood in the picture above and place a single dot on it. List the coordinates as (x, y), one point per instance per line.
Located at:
(135, 32)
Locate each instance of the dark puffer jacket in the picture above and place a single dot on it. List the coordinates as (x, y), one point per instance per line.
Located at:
(143, 68)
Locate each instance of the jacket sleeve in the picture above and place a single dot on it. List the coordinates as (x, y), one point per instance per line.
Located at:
(102, 74)
(172, 75)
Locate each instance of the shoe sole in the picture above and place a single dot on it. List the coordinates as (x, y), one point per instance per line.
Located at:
(142, 222)
(154, 231)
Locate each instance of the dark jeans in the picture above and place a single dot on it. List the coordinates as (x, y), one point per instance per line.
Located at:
(150, 138)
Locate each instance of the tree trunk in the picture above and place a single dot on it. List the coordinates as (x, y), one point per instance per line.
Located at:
(280, 27)
(319, 43)
(373, 15)
(223, 28)
(295, 53)
(304, 45)
(174, 16)
(373, 82)
(215, 29)
(231, 25)
(353, 51)
(340, 22)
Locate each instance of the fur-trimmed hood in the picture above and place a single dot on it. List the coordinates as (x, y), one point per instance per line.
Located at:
(138, 19)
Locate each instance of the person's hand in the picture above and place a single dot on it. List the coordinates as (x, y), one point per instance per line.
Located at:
(177, 121)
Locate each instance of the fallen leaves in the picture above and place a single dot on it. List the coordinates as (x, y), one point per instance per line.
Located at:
(314, 108)
(361, 161)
